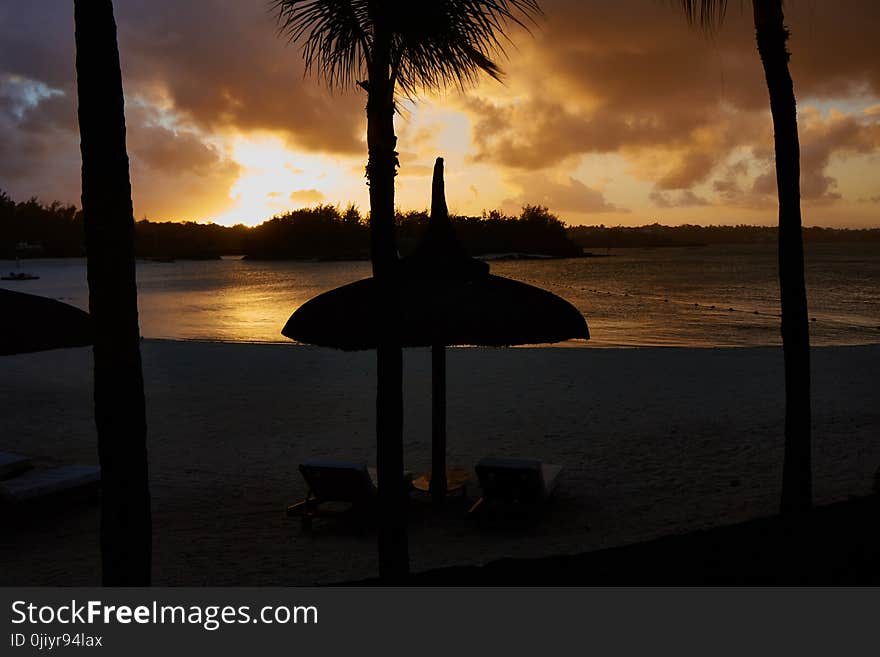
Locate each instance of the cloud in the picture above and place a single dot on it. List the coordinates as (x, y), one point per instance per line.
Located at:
(39, 148)
(307, 196)
(824, 138)
(170, 149)
(413, 165)
(571, 195)
(683, 199)
(629, 78)
(192, 71)
(220, 64)
(620, 76)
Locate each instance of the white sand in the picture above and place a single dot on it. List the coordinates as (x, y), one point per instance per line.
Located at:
(653, 441)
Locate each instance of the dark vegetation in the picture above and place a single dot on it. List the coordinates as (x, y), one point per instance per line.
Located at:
(605, 237)
(33, 229)
(326, 232)
(535, 231)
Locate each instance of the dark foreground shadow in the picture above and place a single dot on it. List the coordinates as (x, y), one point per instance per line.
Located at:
(835, 544)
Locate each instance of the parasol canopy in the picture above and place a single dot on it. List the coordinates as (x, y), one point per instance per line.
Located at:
(444, 298)
(492, 311)
(34, 323)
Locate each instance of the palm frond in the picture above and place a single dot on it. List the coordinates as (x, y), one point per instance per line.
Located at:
(444, 43)
(434, 43)
(708, 13)
(333, 36)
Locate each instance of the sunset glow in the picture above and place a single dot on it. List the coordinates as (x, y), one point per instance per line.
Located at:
(631, 118)
(274, 179)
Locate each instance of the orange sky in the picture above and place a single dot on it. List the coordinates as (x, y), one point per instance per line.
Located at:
(614, 113)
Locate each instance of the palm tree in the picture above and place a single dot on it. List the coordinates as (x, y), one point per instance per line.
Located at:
(383, 46)
(126, 536)
(772, 36)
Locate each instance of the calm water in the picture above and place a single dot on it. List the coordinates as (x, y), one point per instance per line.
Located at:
(713, 296)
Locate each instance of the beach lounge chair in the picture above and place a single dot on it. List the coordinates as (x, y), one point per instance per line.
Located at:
(66, 483)
(515, 483)
(335, 484)
(13, 464)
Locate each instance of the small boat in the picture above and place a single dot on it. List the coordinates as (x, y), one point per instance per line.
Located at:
(19, 276)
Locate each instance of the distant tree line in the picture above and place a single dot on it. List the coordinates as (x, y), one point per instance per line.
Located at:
(326, 232)
(323, 232)
(31, 228)
(188, 240)
(535, 231)
(607, 237)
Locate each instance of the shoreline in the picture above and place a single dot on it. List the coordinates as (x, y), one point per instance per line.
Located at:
(572, 344)
(654, 441)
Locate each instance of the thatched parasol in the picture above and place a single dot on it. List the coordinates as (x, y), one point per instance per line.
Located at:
(445, 298)
(33, 323)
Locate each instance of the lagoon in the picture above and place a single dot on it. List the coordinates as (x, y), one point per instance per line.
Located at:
(714, 296)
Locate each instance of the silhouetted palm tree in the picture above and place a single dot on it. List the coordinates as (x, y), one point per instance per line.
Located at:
(383, 45)
(772, 36)
(126, 536)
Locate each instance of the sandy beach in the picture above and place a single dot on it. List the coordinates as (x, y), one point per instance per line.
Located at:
(653, 441)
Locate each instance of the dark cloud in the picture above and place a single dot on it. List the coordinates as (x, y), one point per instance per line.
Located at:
(631, 77)
(204, 67)
(39, 148)
(221, 65)
(162, 148)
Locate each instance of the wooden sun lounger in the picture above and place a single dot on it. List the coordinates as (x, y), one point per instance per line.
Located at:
(65, 483)
(351, 484)
(12, 465)
(334, 481)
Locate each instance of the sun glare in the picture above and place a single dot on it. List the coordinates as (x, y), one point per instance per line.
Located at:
(275, 179)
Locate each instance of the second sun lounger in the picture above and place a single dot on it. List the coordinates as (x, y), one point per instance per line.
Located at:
(515, 482)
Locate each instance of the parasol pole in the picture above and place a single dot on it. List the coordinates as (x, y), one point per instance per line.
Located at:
(438, 421)
(439, 216)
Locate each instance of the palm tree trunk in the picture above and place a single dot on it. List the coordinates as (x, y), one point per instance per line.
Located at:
(126, 534)
(772, 36)
(381, 169)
